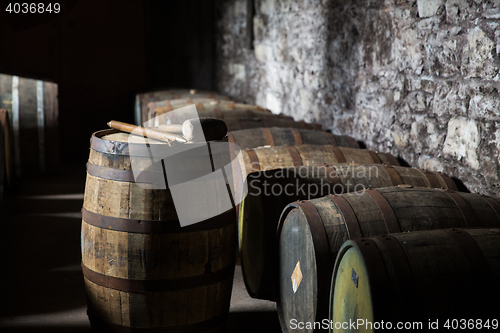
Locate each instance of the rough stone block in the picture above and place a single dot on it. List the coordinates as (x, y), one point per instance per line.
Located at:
(477, 55)
(263, 53)
(428, 8)
(462, 141)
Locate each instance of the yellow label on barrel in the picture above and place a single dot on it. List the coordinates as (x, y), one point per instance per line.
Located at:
(296, 277)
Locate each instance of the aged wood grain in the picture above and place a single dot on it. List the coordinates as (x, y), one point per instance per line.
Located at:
(258, 137)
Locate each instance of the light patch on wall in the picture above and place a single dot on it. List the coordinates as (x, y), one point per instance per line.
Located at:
(238, 71)
(428, 8)
(273, 103)
(462, 140)
(478, 54)
(267, 7)
(263, 53)
(305, 100)
(496, 142)
(400, 139)
(428, 163)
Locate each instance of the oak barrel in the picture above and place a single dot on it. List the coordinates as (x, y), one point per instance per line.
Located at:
(270, 191)
(449, 276)
(142, 270)
(242, 123)
(277, 136)
(310, 234)
(218, 108)
(8, 147)
(178, 116)
(268, 158)
(142, 100)
(32, 107)
(237, 123)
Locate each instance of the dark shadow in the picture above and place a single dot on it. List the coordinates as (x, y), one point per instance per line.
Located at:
(40, 246)
(42, 258)
(45, 329)
(251, 322)
(361, 145)
(42, 293)
(70, 179)
(40, 205)
(402, 162)
(460, 185)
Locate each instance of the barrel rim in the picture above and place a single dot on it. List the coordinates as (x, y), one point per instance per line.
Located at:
(101, 145)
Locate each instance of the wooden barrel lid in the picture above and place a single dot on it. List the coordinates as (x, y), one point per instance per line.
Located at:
(298, 271)
(111, 141)
(351, 285)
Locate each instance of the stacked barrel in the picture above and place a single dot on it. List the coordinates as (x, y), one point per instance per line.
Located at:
(332, 233)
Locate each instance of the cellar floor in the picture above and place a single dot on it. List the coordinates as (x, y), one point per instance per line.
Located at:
(41, 283)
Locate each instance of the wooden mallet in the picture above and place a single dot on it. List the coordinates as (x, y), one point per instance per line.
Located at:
(146, 132)
(198, 129)
(194, 130)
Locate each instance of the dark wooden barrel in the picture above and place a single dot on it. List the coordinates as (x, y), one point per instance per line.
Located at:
(206, 107)
(142, 100)
(277, 136)
(449, 276)
(270, 191)
(143, 271)
(242, 123)
(268, 158)
(311, 233)
(33, 111)
(8, 143)
(218, 108)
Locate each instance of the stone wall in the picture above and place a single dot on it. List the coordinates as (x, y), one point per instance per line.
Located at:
(417, 78)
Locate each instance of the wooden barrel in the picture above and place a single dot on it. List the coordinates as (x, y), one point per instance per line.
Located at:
(237, 123)
(310, 234)
(219, 108)
(142, 270)
(270, 191)
(8, 147)
(142, 100)
(276, 136)
(268, 158)
(178, 117)
(444, 277)
(242, 123)
(33, 111)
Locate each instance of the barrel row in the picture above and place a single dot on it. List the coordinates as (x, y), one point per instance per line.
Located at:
(143, 99)
(231, 109)
(312, 232)
(152, 110)
(269, 192)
